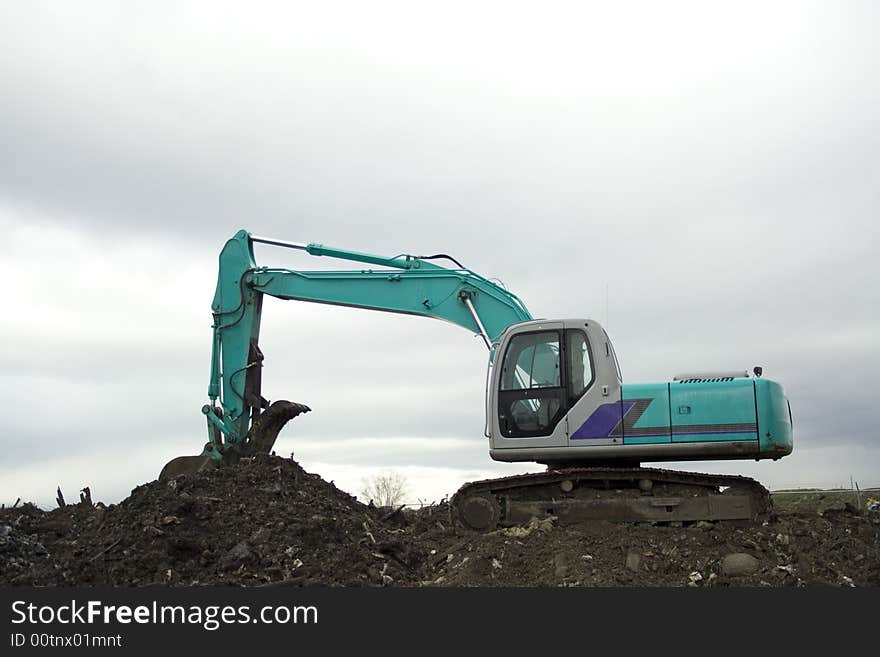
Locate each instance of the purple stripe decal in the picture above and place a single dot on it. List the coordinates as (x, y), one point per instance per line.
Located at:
(602, 420)
(700, 433)
(629, 434)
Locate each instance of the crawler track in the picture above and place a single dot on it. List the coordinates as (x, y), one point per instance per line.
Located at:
(616, 494)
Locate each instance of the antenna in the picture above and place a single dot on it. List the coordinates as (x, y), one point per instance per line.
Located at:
(606, 307)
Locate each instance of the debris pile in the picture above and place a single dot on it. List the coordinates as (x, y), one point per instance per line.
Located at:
(267, 522)
(18, 551)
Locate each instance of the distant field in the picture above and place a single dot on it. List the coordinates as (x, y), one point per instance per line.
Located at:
(809, 499)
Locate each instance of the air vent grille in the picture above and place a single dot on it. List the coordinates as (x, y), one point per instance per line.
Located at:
(715, 380)
(710, 377)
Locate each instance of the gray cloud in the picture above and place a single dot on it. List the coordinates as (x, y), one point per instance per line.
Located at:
(716, 173)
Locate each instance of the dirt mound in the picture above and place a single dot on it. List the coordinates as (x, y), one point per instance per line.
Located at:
(263, 521)
(268, 522)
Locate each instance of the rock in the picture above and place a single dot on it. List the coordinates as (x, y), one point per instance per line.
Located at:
(240, 554)
(633, 560)
(560, 566)
(738, 564)
(704, 525)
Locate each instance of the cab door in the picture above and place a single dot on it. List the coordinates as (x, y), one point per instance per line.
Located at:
(531, 393)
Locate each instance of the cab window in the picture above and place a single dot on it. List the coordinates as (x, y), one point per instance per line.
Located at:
(580, 363)
(532, 361)
(531, 400)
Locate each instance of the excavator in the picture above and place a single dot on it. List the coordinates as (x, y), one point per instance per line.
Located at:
(555, 396)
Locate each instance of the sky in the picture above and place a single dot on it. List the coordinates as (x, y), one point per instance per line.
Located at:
(702, 179)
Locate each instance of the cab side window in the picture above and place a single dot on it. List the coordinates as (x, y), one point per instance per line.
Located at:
(579, 362)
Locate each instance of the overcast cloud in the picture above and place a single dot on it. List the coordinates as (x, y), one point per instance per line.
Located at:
(716, 170)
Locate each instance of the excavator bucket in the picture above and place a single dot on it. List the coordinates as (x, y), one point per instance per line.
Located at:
(265, 429)
(259, 440)
(186, 465)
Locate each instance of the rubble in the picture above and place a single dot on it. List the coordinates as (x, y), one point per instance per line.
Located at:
(266, 522)
(739, 563)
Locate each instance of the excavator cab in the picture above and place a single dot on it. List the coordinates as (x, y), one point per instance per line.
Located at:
(550, 374)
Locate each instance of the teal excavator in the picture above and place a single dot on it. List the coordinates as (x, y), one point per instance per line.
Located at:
(555, 396)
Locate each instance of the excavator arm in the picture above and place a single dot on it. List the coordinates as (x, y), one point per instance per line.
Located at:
(406, 284)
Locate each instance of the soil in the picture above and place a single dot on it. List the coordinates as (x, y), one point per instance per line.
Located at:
(267, 522)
